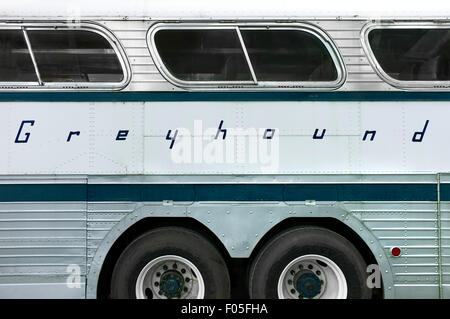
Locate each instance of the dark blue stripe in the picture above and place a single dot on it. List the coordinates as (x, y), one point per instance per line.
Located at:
(221, 96)
(42, 192)
(222, 192)
(445, 192)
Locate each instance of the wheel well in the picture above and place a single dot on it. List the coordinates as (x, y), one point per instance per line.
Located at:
(328, 223)
(141, 227)
(235, 265)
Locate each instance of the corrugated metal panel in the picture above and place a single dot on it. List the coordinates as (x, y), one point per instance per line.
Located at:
(101, 218)
(39, 242)
(223, 9)
(132, 35)
(413, 228)
(360, 74)
(346, 35)
(445, 245)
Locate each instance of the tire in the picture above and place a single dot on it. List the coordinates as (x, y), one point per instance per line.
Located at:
(166, 247)
(341, 268)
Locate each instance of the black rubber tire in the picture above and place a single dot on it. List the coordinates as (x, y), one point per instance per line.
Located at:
(281, 250)
(170, 241)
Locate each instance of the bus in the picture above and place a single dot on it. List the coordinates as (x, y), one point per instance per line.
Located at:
(153, 152)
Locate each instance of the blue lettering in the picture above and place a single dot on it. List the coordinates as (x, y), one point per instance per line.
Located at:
(372, 135)
(317, 137)
(418, 136)
(27, 135)
(73, 133)
(221, 130)
(171, 138)
(122, 135)
(268, 131)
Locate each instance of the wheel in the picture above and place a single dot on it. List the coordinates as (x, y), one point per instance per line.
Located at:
(170, 263)
(308, 263)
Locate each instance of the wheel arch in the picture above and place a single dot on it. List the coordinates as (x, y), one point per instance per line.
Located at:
(325, 222)
(353, 230)
(136, 229)
(335, 219)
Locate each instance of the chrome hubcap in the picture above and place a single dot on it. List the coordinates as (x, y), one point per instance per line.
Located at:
(312, 277)
(170, 277)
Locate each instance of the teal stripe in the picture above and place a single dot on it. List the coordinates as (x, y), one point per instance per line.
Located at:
(445, 192)
(221, 192)
(221, 96)
(42, 192)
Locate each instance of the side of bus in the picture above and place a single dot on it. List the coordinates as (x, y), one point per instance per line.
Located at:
(130, 169)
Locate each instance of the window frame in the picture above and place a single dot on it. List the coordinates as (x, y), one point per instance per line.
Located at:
(82, 26)
(255, 84)
(400, 84)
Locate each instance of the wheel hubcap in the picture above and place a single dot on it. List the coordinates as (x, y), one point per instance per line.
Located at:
(172, 283)
(308, 285)
(312, 277)
(169, 277)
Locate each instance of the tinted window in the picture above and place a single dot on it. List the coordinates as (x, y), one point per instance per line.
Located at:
(413, 54)
(15, 60)
(288, 55)
(74, 56)
(203, 55)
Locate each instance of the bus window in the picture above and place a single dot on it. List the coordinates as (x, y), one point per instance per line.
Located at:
(16, 64)
(203, 55)
(74, 56)
(412, 54)
(288, 55)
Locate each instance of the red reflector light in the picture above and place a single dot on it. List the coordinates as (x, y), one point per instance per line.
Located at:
(395, 251)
